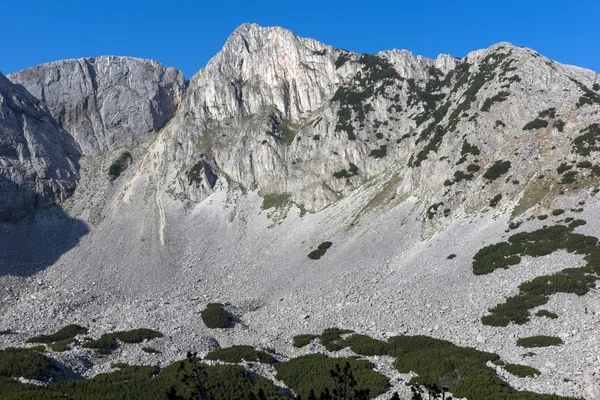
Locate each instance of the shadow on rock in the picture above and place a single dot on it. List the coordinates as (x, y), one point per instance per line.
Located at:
(38, 240)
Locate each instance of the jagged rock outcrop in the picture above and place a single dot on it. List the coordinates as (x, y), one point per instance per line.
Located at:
(106, 102)
(291, 115)
(38, 159)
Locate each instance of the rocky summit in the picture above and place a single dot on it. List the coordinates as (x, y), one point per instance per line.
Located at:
(305, 187)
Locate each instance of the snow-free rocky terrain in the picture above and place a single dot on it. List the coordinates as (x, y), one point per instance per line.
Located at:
(169, 195)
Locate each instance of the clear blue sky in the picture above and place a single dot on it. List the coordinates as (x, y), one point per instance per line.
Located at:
(186, 34)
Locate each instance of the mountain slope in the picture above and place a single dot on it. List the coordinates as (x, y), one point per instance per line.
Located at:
(283, 143)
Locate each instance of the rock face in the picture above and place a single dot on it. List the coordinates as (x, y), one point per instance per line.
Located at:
(38, 159)
(293, 116)
(106, 102)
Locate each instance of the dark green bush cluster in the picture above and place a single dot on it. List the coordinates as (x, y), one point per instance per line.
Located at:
(380, 152)
(432, 210)
(60, 340)
(521, 370)
(495, 200)
(194, 174)
(237, 354)
(68, 332)
(303, 340)
(435, 131)
(548, 113)
(568, 177)
(220, 382)
(375, 75)
(537, 291)
(535, 124)
(119, 165)
(436, 362)
(313, 373)
(341, 60)
(349, 173)
(539, 341)
(498, 169)
(500, 97)
(108, 342)
(331, 338)
(587, 142)
(562, 168)
(215, 316)
(559, 124)
(588, 97)
(26, 363)
(547, 314)
(558, 211)
(319, 251)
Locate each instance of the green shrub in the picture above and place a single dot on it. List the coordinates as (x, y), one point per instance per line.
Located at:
(331, 338)
(150, 350)
(547, 314)
(451, 256)
(539, 341)
(569, 177)
(120, 165)
(320, 251)
(495, 200)
(535, 124)
(215, 316)
(521, 370)
(313, 373)
(366, 345)
(237, 354)
(379, 153)
(542, 217)
(61, 345)
(558, 211)
(559, 124)
(303, 340)
(575, 223)
(68, 332)
(596, 87)
(473, 168)
(587, 142)
(108, 342)
(26, 363)
(498, 169)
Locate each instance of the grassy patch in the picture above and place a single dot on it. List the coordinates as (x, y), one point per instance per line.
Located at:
(539, 341)
(237, 354)
(215, 316)
(275, 200)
